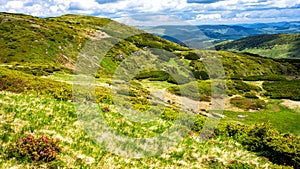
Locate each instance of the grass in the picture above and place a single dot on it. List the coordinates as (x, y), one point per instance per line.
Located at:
(284, 119)
(28, 114)
(16, 81)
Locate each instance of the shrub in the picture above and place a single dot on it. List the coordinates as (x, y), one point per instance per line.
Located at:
(193, 91)
(105, 109)
(240, 87)
(279, 148)
(18, 82)
(35, 148)
(201, 75)
(283, 89)
(248, 103)
(169, 114)
(192, 56)
(198, 124)
(153, 75)
(260, 77)
(251, 95)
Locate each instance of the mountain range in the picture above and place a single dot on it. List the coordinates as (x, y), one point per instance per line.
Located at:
(208, 35)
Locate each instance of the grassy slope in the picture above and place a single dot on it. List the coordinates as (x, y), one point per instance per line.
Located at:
(57, 41)
(274, 46)
(22, 114)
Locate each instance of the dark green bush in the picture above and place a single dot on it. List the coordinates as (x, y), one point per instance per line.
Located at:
(283, 89)
(155, 75)
(271, 77)
(201, 75)
(251, 95)
(38, 70)
(198, 124)
(240, 87)
(191, 56)
(248, 103)
(35, 149)
(238, 165)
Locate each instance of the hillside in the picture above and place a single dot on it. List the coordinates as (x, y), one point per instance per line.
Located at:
(57, 41)
(273, 46)
(86, 92)
(43, 42)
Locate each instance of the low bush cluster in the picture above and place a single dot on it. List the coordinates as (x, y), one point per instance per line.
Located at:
(251, 95)
(18, 82)
(201, 75)
(201, 90)
(35, 149)
(279, 148)
(271, 77)
(158, 75)
(283, 89)
(39, 70)
(191, 56)
(248, 103)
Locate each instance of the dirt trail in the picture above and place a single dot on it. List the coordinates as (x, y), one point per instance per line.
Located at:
(185, 103)
(291, 104)
(199, 107)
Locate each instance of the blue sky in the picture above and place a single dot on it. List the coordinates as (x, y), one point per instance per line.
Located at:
(157, 12)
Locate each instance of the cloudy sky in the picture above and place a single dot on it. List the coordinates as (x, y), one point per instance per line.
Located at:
(156, 12)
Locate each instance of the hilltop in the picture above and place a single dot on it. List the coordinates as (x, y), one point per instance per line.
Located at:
(58, 40)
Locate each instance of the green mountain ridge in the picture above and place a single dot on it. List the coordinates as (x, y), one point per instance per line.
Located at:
(57, 41)
(273, 46)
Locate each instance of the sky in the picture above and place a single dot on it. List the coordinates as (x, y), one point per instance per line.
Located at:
(163, 12)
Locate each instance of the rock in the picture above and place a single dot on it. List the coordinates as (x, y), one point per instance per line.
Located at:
(242, 116)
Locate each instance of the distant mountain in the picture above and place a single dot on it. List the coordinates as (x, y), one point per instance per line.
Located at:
(205, 36)
(275, 28)
(201, 36)
(274, 45)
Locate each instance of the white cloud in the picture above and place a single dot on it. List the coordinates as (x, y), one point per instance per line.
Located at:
(83, 5)
(14, 4)
(152, 20)
(284, 3)
(128, 10)
(208, 16)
